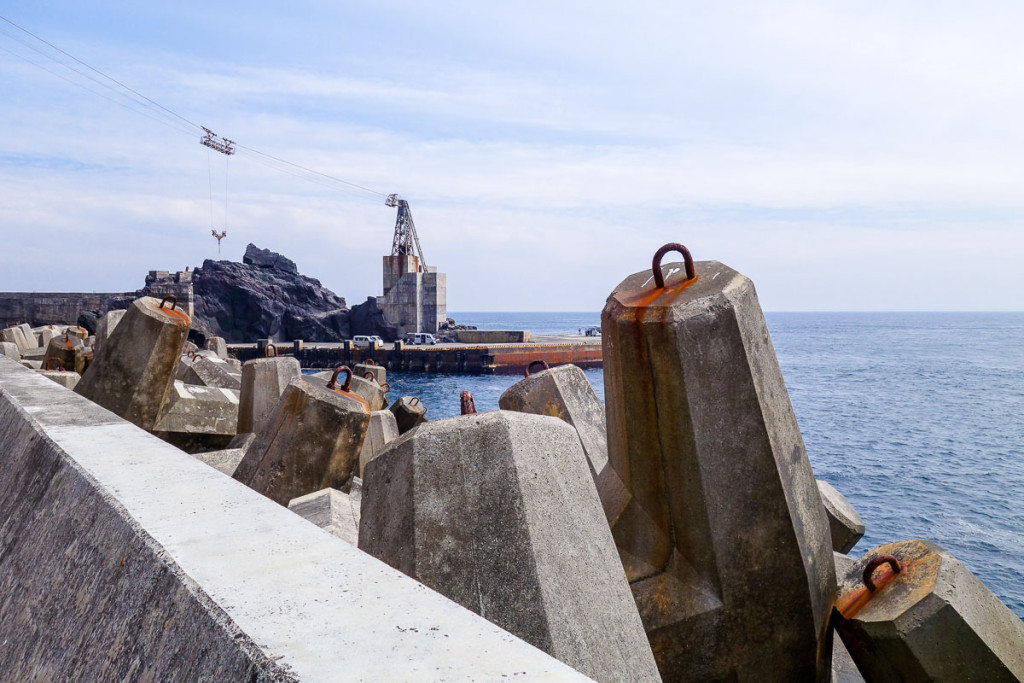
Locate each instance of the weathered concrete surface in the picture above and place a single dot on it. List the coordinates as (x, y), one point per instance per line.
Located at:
(10, 349)
(263, 382)
(332, 511)
(409, 411)
(565, 393)
(932, 621)
(725, 540)
(382, 430)
(105, 325)
(844, 524)
(219, 346)
(70, 351)
(193, 409)
(15, 335)
(65, 378)
(310, 442)
(370, 390)
(379, 372)
(132, 373)
(212, 372)
(498, 511)
(225, 460)
(125, 559)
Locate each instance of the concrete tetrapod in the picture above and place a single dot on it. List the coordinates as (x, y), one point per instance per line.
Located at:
(263, 382)
(932, 620)
(409, 411)
(310, 442)
(332, 511)
(374, 394)
(219, 346)
(379, 372)
(383, 429)
(105, 325)
(10, 349)
(565, 393)
(498, 512)
(844, 524)
(132, 373)
(70, 351)
(212, 372)
(736, 579)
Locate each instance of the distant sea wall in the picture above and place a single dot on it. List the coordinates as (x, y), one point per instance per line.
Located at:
(54, 308)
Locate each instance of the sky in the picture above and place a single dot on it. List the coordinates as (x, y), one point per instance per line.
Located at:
(844, 156)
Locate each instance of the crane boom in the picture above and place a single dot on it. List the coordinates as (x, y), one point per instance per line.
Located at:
(405, 230)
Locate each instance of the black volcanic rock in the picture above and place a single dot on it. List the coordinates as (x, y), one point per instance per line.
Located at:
(264, 258)
(265, 298)
(367, 318)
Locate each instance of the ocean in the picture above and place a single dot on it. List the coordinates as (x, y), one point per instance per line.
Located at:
(917, 418)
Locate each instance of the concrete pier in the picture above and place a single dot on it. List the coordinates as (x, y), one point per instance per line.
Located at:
(124, 558)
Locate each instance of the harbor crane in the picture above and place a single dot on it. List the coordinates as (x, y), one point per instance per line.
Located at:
(405, 231)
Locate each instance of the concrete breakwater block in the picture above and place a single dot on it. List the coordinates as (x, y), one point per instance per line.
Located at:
(225, 460)
(736, 579)
(498, 511)
(132, 373)
(126, 559)
(379, 372)
(910, 611)
(195, 409)
(65, 378)
(212, 372)
(372, 392)
(409, 411)
(105, 325)
(70, 351)
(218, 345)
(332, 511)
(565, 393)
(844, 524)
(382, 430)
(10, 349)
(310, 442)
(15, 335)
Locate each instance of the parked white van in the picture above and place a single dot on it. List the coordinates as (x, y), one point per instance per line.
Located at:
(362, 340)
(420, 338)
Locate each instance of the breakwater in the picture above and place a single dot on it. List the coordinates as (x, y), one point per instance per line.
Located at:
(464, 358)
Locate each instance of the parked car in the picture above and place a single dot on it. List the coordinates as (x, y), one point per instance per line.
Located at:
(362, 340)
(420, 338)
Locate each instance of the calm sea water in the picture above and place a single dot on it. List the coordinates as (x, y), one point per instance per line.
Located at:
(917, 418)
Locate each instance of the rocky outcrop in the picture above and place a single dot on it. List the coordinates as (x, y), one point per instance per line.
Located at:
(265, 297)
(367, 318)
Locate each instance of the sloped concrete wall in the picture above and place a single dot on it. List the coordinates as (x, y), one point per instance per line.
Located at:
(122, 557)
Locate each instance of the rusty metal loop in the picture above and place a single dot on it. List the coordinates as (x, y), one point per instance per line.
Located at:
(466, 403)
(60, 364)
(369, 375)
(172, 299)
(526, 372)
(266, 351)
(414, 400)
(386, 387)
(369, 361)
(191, 354)
(877, 562)
(659, 279)
(333, 384)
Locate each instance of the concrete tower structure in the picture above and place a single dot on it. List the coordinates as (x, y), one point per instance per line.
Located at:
(415, 294)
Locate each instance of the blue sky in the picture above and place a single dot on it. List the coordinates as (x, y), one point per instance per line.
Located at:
(845, 157)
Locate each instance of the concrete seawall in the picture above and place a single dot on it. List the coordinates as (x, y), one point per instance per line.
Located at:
(122, 557)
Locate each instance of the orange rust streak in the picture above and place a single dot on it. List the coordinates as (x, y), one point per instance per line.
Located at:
(353, 396)
(853, 602)
(643, 299)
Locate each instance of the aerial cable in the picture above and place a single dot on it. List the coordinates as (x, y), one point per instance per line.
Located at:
(162, 114)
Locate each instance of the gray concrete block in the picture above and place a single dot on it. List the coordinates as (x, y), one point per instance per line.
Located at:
(933, 620)
(30, 338)
(331, 510)
(382, 430)
(725, 539)
(126, 559)
(68, 350)
(192, 409)
(310, 442)
(32, 364)
(211, 372)
(10, 349)
(379, 372)
(66, 379)
(225, 460)
(565, 393)
(133, 371)
(844, 524)
(498, 511)
(15, 335)
(243, 441)
(374, 394)
(409, 411)
(263, 382)
(219, 346)
(106, 324)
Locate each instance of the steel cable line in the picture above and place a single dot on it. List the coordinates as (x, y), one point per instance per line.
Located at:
(162, 114)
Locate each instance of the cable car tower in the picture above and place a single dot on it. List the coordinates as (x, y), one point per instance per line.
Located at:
(405, 231)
